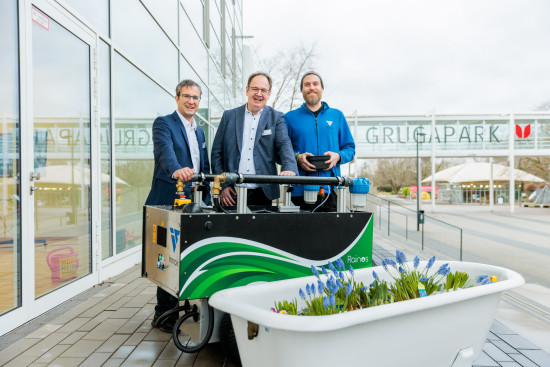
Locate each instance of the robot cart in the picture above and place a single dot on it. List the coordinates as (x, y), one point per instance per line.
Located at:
(195, 251)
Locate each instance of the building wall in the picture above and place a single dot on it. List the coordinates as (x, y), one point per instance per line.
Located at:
(82, 82)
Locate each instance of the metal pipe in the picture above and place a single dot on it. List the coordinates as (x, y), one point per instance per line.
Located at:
(237, 178)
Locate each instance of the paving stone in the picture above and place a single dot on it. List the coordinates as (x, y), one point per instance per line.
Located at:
(16, 349)
(95, 359)
(510, 364)
(170, 352)
(104, 330)
(44, 331)
(52, 354)
(518, 342)
(135, 339)
(22, 360)
(539, 356)
(112, 344)
(146, 353)
(82, 348)
(485, 361)
(73, 337)
(164, 363)
(113, 362)
(503, 346)
(124, 351)
(499, 329)
(523, 360)
(66, 362)
(43, 345)
(495, 353)
(124, 313)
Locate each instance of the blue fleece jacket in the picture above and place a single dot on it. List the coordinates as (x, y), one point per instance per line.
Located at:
(328, 132)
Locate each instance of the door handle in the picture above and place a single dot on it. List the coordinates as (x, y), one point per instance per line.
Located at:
(33, 189)
(35, 176)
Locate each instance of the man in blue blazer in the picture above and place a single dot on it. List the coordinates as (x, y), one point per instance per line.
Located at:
(250, 139)
(180, 151)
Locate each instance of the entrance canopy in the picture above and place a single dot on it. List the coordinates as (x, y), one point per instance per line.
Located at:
(481, 172)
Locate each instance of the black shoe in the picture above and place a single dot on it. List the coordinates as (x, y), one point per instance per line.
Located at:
(167, 326)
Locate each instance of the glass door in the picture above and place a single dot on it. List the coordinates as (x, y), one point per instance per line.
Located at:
(61, 178)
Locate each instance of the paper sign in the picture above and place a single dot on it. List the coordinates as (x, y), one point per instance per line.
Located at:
(40, 19)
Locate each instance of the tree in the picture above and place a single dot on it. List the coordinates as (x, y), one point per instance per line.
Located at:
(286, 69)
(396, 173)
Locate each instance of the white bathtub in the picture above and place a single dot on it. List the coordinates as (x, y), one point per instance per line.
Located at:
(440, 330)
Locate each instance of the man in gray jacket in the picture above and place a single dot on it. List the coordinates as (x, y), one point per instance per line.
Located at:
(250, 140)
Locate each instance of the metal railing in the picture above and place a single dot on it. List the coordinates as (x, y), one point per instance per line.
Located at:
(398, 223)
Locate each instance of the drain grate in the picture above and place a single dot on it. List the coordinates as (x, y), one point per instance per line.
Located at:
(22, 331)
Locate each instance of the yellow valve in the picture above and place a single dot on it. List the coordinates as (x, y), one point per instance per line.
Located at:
(493, 278)
(179, 191)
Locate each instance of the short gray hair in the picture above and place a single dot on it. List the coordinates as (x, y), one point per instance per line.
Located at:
(187, 83)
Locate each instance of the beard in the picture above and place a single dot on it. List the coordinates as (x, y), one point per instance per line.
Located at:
(312, 99)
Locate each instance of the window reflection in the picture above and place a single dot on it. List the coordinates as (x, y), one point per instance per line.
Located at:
(195, 11)
(166, 13)
(105, 141)
(193, 49)
(134, 116)
(137, 34)
(96, 12)
(61, 104)
(10, 245)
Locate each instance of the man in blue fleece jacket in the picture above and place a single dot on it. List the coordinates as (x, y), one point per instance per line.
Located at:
(316, 129)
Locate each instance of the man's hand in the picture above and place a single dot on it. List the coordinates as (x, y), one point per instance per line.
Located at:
(184, 174)
(227, 199)
(287, 173)
(332, 161)
(304, 164)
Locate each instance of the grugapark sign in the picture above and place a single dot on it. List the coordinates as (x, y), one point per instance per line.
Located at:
(443, 134)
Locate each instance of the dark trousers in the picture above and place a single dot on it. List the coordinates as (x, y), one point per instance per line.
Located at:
(165, 301)
(254, 197)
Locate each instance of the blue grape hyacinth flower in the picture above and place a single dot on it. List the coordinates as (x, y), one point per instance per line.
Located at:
(302, 294)
(314, 271)
(416, 262)
(430, 262)
(325, 302)
(348, 289)
(332, 300)
(351, 271)
(400, 257)
(375, 275)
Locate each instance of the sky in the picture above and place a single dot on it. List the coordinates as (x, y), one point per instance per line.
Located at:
(415, 56)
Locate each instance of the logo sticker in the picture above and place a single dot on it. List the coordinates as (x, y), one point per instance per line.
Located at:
(174, 233)
(523, 133)
(329, 123)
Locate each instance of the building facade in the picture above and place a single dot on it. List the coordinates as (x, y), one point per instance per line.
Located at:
(82, 82)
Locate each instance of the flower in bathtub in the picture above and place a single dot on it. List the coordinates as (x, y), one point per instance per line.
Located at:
(337, 291)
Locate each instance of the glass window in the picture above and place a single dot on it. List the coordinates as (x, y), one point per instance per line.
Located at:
(216, 82)
(10, 243)
(96, 12)
(138, 35)
(138, 101)
(215, 20)
(193, 49)
(61, 126)
(105, 142)
(216, 49)
(166, 13)
(195, 12)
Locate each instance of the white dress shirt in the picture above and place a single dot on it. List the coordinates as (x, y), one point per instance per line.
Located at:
(191, 129)
(246, 164)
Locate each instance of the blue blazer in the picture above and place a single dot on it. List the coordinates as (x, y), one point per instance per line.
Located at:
(272, 145)
(171, 149)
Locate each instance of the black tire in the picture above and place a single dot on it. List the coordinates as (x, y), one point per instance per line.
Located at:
(228, 340)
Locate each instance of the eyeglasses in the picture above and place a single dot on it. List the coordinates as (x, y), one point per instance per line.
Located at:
(256, 90)
(188, 97)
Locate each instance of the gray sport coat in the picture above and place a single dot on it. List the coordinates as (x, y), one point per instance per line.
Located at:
(272, 145)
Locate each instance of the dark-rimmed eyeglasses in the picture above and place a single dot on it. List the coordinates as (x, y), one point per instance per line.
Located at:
(189, 96)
